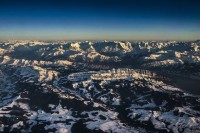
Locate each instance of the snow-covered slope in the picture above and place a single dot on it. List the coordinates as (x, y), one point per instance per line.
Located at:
(59, 86)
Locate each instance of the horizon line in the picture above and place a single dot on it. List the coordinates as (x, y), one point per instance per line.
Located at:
(98, 40)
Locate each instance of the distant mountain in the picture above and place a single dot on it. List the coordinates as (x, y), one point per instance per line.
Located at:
(106, 86)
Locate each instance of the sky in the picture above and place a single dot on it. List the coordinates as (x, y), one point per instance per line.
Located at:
(100, 19)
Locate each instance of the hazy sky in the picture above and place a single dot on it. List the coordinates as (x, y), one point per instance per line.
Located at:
(100, 19)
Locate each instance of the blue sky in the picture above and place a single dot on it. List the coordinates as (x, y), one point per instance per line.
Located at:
(100, 19)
